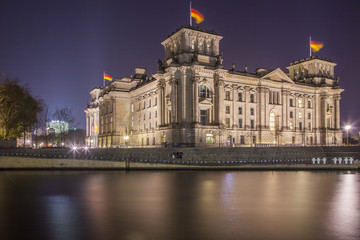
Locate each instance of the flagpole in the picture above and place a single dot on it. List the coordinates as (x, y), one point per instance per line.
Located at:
(190, 15)
(310, 46)
(104, 78)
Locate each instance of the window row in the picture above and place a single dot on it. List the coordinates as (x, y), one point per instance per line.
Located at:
(149, 105)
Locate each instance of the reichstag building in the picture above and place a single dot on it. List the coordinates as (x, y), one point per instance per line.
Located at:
(193, 101)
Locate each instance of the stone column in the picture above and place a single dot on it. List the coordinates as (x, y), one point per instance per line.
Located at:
(221, 111)
(173, 100)
(337, 112)
(234, 110)
(196, 99)
(246, 122)
(161, 104)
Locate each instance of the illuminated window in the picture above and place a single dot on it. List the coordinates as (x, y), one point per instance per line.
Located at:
(132, 107)
(227, 109)
(272, 121)
(300, 115)
(132, 121)
(209, 138)
(300, 103)
(227, 122)
(291, 125)
(227, 95)
(192, 44)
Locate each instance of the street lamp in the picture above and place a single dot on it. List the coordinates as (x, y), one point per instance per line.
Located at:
(126, 138)
(347, 127)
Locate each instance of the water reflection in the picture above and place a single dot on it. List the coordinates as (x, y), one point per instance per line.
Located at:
(344, 217)
(179, 205)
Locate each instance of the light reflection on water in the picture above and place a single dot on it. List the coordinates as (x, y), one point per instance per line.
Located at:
(179, 205)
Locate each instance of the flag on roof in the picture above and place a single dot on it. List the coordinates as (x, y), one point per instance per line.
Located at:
(316, 46)
(107, 77)
(197, 15)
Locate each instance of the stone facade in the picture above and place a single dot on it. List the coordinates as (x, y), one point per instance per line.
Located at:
(193, 101)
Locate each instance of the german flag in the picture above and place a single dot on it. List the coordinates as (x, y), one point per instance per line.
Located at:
(197, 15)
(316, 46)
(107, 77)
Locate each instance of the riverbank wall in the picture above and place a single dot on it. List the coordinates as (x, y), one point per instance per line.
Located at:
(265, 158)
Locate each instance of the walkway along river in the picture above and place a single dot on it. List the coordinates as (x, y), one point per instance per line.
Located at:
(271, 158)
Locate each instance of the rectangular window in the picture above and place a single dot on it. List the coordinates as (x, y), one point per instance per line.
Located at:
(203, 117)
(210, 138)
(240, 97)
(132, 107)
(227, 122)
(227, 109)
(309, 126)
(252, 124)
(300, 115)
(144, 105)
(309, 104)
(153, 140)
(309, 115)
(291, 102)
(144, 117)
(291, 114)
(156, 124)
(132, 122)
(252, 98)
(240, 110)
(254, 139)
(227, 95)
(149, 102)
(155, 101)
(202, 91)
(242, 139)
(149, 125)
(240, 123)
(155, 114)
(144, 126)
(300, 125)
(291, 125)
(139, 107)
(252, 111)
(300, 103)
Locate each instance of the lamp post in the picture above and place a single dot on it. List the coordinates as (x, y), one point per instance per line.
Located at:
(126, 138)
(347, 127)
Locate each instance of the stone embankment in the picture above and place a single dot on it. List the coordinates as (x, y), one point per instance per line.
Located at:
(264, 158)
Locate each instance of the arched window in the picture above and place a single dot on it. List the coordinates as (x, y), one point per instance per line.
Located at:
(272, 121)
(193, 45)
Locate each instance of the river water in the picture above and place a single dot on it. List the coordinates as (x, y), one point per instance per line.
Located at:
(139, 205)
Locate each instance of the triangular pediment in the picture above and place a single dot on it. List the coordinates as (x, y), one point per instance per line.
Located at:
(206, 101)
(278, 75)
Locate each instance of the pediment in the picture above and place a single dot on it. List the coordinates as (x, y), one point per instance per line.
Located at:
(278, 75)
(206, 101)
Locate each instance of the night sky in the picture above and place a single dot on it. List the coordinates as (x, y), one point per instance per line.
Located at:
(59, 49)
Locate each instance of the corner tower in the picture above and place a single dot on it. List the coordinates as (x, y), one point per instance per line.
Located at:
(189, 45)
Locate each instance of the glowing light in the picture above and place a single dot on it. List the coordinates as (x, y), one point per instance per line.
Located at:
(347, 127)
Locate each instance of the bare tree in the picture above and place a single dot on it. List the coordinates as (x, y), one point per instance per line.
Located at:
(66, 121)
